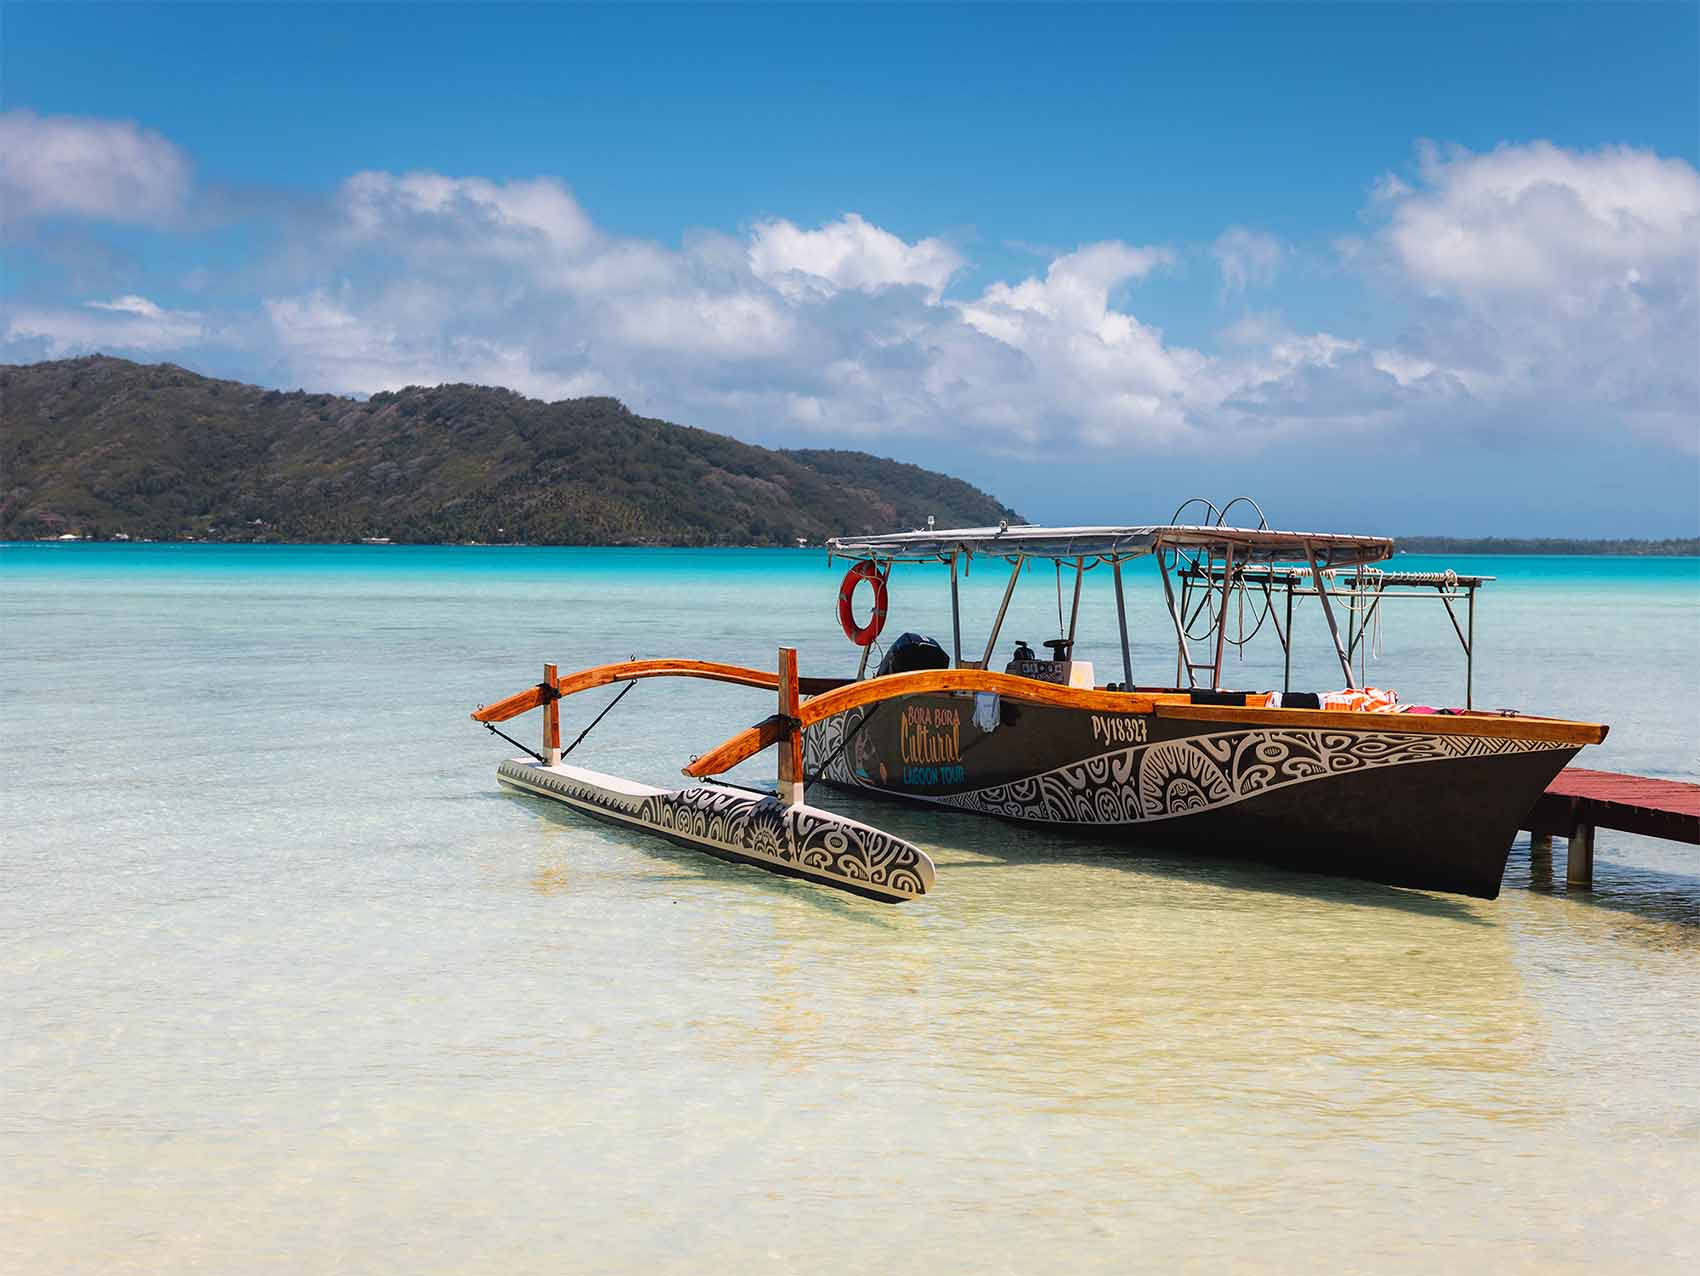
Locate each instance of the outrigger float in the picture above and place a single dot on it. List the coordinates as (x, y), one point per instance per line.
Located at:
(1351, 783)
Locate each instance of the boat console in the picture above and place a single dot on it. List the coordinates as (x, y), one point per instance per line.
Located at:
(1059, 669)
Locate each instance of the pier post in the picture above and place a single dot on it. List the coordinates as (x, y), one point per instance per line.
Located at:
(1579, 857)
(791, 746)
(1540, 861)
(552, 718)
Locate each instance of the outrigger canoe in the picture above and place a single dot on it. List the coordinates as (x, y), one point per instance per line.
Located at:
(1349, 782)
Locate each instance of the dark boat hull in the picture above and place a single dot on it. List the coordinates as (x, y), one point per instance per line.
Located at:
(1432, 811)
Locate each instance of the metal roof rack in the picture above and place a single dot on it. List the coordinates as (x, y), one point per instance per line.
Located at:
(1328, 550)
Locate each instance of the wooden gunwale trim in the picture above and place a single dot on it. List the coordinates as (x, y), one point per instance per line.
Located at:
(748, 743)
(1497, 726)
(833, 696)
(632, 670)
(1028, 690)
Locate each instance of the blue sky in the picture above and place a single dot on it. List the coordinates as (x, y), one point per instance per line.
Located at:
(1426, 268)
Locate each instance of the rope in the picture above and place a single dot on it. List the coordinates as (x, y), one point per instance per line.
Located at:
(551, 694)
(1367, 584)
(491, 728)
(598, 718)
(730, 784)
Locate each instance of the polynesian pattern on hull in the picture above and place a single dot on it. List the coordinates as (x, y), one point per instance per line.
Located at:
(800, 839)
(826, 744)
(1174, 778)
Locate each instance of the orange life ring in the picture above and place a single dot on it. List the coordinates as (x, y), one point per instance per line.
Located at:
(861, 635)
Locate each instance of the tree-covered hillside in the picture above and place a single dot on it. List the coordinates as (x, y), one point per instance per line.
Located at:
(101, 446)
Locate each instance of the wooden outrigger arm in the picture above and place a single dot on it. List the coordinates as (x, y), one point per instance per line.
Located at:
(632, 670)
(778, 832)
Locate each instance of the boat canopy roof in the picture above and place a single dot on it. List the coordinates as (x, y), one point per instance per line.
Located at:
(1249, 544)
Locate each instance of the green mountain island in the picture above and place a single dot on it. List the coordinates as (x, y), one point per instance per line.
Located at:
(103, 447)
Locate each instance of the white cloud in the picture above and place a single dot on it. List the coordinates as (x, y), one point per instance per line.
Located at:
(129, 323)
(318, 326)
(334, 346)
(850, 253)
(1389, 186)
(1530, 287)
(1252, 330)
(733, 325)
(1538, 219)
(1085, 371)
(1076, 287)
(1557, 286)
(1247, 257)
(130, 304)
(469, 215)
(107, 170)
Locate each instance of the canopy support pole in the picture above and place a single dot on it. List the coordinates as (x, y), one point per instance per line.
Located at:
(1328, 615)
(992, 642)
(1222, 621)
(1287, 644)
(955, 616)
(1183, 658)
(1470, 682)
(1351, 632)
(1074, 609)
(1121, 623)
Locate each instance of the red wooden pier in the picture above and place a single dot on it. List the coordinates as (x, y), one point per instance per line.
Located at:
(1580, 801)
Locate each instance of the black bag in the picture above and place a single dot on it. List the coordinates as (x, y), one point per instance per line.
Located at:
(910, 653)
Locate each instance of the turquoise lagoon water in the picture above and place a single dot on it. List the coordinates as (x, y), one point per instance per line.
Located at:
(287, 984)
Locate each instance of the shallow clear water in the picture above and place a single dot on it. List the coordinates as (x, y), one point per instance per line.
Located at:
(287, 984)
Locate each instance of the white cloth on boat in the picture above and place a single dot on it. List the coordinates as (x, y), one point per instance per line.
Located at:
(987, 710)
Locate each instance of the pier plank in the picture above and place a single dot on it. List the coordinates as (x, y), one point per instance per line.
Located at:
(1584, 799)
